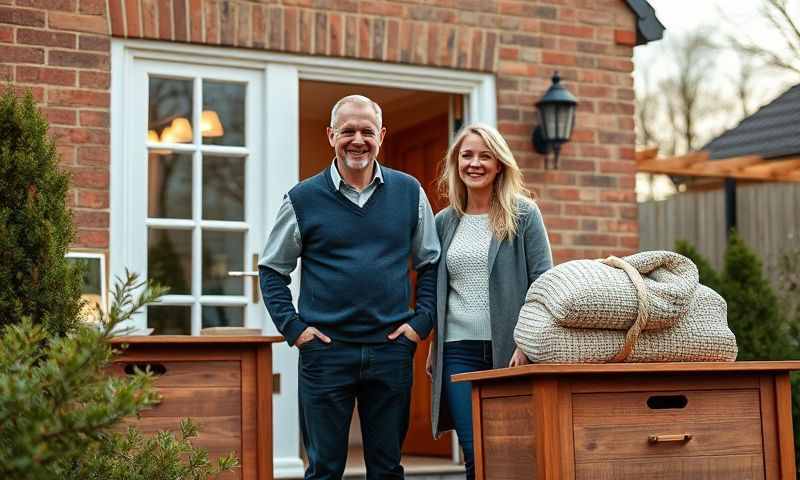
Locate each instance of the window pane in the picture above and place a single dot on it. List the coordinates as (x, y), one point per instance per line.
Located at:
(223, 317)
(223, 188)
(222, 252)
(170, 110)
(169, 259)
(169, 185)
(170, 319)
(222, 120)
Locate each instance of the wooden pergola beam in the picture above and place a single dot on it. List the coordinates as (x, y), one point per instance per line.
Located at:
(697, 164)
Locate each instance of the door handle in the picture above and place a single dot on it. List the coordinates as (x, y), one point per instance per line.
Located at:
(253, 274)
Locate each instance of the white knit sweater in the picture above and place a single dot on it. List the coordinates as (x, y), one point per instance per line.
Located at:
(468, 292)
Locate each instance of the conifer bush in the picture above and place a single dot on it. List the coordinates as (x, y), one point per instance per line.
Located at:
(36, 281)
(766, 323)
(61, 412)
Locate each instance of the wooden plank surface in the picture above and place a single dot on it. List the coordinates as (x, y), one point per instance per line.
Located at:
(195, 340)
(727, 467)
(508, 448)
(783, 397)
(197, 402)
(615, 368)
(769, 428)
(189, 374)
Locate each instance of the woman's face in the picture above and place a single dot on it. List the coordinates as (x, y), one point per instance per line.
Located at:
(477, 166)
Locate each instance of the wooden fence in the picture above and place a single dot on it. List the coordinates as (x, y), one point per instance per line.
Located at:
(768, 218)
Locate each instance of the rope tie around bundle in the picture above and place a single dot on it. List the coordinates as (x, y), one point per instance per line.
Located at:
(641, 319)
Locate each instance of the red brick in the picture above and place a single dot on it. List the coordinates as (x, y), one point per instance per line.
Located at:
(92, 198)
(133, 16)
(13, 54)
(378, 39)
(19, 16)
(227, 22)
(489, 52)
(92, 118)
(179, 12)
(94, 43)
(77, 98)
(98, 80)
(164, 19)
(94, 156)
(81, 136)
(22, 90)
(47, 38)
(381, 9)
(290, 40)
(393, 41)
(63, 58)
(477, 44)
(66, 154)
(6, 34)
(616, 196)
(59, 116)
(584, 210)
(350, 37)
(364, 38)
(63, 5)
(625, 37)
(595, 240)
(630, 242)
(50, 76)
(77, 22)
(563, 194)
(150, 19)
(258, 22)
(554, 58)
(211, 12)
(243, 20)
(306, 29)
(89, 177)
(93, 7)
(6, 73)
(405, 42)
(334, 33)
(92, 238)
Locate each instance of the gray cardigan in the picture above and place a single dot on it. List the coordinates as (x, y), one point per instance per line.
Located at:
(513, 267)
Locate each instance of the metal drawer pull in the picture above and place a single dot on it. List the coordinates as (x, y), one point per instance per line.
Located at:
(684, 437)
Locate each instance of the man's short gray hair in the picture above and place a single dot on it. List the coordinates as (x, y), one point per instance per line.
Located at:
(356, 99)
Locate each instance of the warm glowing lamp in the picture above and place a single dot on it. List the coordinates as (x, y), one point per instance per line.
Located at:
(181, 129)
(152, 136)
(167, 136)
(210, 126)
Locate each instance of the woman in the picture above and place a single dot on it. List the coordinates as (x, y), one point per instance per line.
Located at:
(494, 245)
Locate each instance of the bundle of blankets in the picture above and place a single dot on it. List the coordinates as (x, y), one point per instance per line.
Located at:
(647, 307)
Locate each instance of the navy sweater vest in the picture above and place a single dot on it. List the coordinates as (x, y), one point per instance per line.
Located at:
(355, 260)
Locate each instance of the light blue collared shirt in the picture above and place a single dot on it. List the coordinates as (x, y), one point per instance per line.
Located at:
(284, 244)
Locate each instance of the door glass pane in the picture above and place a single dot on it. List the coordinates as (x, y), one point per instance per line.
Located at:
(223, 188)
(170, 110)
(222, 252)
(169, 185)
(223, 317)
(170, 319)
(222, 121)
(169, 259)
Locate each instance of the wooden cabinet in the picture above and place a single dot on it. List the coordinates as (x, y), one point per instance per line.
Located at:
(670, 421)
(224, 384)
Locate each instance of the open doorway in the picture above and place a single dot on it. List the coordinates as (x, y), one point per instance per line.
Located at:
(419, 126)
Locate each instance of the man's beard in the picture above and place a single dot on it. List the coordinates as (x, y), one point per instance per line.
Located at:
(357, 164)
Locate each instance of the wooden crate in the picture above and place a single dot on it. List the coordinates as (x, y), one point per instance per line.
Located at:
(224, 384)
(670, 421)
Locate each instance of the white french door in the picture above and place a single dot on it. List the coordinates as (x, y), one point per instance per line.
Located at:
(196, 158)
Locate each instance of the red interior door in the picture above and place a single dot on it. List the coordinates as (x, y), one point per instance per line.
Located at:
(418, 151)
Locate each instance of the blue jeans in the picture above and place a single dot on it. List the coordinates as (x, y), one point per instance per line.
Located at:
(460, 357)
(332, 377)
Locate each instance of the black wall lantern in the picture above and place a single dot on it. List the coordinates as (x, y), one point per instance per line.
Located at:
(556, 119)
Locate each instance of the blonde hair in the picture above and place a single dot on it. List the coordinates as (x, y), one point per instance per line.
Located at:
(508, 189)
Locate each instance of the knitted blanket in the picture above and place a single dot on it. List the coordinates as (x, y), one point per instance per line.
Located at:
(653, 310)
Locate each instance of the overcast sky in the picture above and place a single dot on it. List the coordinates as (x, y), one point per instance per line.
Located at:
(718, 18)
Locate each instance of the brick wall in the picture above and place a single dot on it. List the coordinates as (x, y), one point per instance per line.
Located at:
(60, 48)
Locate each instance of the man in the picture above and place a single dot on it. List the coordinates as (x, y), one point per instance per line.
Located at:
(354, 225)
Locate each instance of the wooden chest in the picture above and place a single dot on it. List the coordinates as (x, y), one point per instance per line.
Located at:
(224, 384)
(668, 421)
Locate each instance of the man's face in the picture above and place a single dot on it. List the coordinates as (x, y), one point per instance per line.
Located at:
(356, 138)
